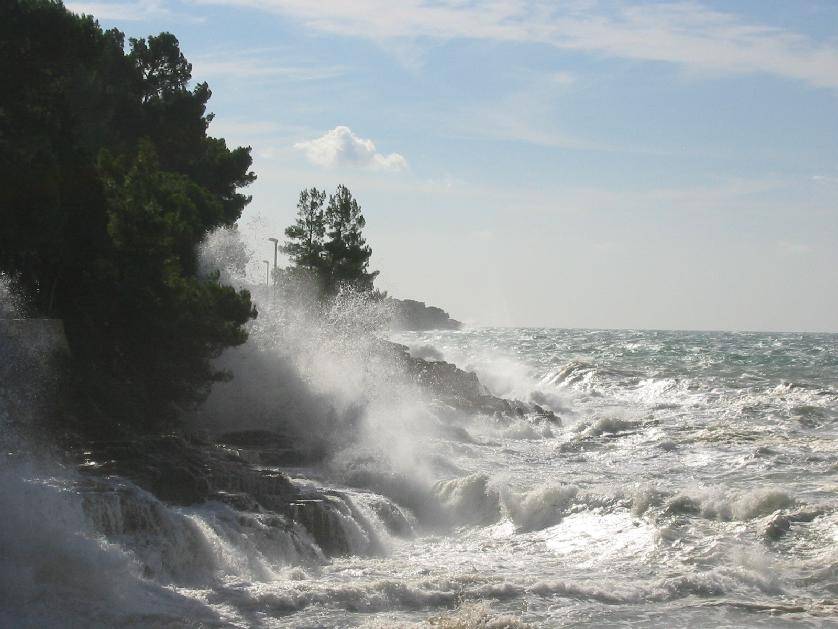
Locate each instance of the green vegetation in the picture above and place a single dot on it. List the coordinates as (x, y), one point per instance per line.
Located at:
(326, 242)
(108, 181)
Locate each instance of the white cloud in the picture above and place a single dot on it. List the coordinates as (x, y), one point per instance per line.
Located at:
(260, 63)
(685, 33)
(341, 146)
(223, 127)
(128, 11)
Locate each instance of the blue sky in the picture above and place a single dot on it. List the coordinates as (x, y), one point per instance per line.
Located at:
(574, 164)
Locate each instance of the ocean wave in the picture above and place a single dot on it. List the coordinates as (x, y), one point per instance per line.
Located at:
(539, 508)
(469, 500)
(713, 505)
(477, 616)
(575, 374)
(717, 582)
(58, 570)
(609, 426)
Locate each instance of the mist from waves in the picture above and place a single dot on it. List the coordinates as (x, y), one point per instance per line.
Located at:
(691, 482)
(56, 568)
(317, 375)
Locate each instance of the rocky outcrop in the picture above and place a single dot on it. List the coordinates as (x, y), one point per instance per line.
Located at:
(239, 468)
(188, 471)
(778, 523)
(265, 447)
(461, 389)
(185, 471)
(410, 314)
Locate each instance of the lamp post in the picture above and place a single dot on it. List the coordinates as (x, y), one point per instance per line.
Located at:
(276, 246)
(267, 272)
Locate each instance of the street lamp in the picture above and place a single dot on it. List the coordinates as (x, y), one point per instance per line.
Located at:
(276, 246)
(267, 272)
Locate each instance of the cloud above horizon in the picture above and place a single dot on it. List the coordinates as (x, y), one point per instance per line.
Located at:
(259, 64)
(130, 11)
(342, 147)
(686, 33)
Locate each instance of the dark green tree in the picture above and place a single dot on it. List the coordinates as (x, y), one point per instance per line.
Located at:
(108, 181)
(304, 244)
(347, 252)
(163, 70)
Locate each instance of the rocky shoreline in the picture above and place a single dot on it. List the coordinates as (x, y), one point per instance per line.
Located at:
(240, 469)
(130, 480)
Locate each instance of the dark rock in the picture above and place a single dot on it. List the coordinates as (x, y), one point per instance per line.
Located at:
(459, 389)
(683, 505)
(415, 315)
(183, 472)
(255, 439)
(265, 447)
(776, 526)
(426, 352)
(392, 518)
(326, 518)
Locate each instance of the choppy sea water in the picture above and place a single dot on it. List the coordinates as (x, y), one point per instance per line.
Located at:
(677, 447)
(692, 482)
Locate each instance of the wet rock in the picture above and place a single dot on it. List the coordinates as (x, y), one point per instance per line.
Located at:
(265, 447)
(410, 314)
(776, 526)
(179, 484)
(181, 471)
(459, 389)
(321, 519)
(239, 501)
(393, 518)
(683, 505)
(164, 465)
(255, 439)
(426, 352)
(184, 472)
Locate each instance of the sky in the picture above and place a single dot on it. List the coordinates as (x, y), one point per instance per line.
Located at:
(586, 163)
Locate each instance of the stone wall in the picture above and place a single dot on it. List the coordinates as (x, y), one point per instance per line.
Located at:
(31, 353)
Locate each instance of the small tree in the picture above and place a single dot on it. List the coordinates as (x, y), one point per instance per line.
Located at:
(305, 237)
(342, 259)
(347, 252)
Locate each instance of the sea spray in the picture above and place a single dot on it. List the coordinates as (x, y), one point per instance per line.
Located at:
(319, 372)
(56, 567)
(397, 506)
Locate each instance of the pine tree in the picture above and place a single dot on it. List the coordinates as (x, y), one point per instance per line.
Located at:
(347, 253)
(305, 237)
(108, 183)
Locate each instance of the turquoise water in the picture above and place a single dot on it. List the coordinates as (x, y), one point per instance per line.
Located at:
(693, 481)
(681, 447)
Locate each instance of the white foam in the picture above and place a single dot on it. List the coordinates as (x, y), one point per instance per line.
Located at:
(540, 507)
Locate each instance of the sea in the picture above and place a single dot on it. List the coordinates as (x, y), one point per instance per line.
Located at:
(690, 479)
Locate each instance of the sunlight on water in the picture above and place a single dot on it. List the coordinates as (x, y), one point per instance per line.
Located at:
(691, 480)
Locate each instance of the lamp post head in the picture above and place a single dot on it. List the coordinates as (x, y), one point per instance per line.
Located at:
(274, 240)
